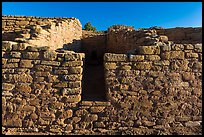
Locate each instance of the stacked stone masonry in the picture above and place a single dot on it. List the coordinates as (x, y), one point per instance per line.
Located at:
(38, 31)
(153, 84)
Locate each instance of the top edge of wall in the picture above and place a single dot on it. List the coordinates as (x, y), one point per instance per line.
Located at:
(37, 17)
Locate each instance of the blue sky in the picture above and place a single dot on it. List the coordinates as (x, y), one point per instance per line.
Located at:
(105, 14)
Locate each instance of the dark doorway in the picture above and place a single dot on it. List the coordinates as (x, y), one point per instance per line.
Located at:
(93, 87)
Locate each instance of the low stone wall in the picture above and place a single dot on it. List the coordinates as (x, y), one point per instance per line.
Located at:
(156, 91)
(41, 87)
(38, 31)
(183, 35)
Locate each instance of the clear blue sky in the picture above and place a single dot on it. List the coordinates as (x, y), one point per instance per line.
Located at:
(105, 14)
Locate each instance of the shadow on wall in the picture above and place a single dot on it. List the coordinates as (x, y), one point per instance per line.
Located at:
(74, 46)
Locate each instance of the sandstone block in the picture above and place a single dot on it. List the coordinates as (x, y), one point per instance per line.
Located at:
(99, 125)
(74, 77)
(188, 76)
(81, 112)
(42, 74)
(26, 64)
(71, 91)
(179, 65)
(165, 55)
(20, 46)
(31, 55)
(163, 38)
(61, 72)
(20, 78)
(6, 46)
(22, 70)
(39, 79)
(61, 85)
(177, 55)
(22, 23)
(192, 123)
(143, 65)
(96, 109)
(14, 122)
(73, 98)
(165, 48)
(197, 66)
(90, 118)
(50, 55)
(44, 48)
(43, 68)
(72, 63)
(136, 57)
(115, 57)
(72, 56)
(51, 63)
(76, 84)
(23, 88)
(152, 57)
(12, 60)
(126, 67)
(15, 54)
(75, 70)
(7, 86)
(8, 71)
(109, 66)
(67, 113)
(191, 55)
(188, 46)
(52, 78)
(198, 47)
(28, 109)
(148, 50)
(10, 65)
(68, 128)
(162, 63)
(177, 47)
(4, 61)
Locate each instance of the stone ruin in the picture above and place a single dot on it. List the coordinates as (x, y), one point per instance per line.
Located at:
(58, 79)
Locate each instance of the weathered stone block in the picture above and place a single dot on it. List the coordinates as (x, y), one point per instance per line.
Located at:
(99, 125)
(152, 57)
(50, 55)
(73, 98)
(136, 57)
(126, 67)
(22, 23)
(198, 47)
(61, 85)
(61, 72)
(177, 55)
(96, 109)
(15, 54)
(75, 70)
(10, 65)
(115, 57)
(192, 123)
(188, 46)
(72, 63)
(73, 56)
(165, 55)
(67, 113)
(191, 55)
(4, 61)
(163, 38)
(43, 68)
(42, 74)
(12, 60)
(148, 50)
(7, 86)
(75, 77)
(23, 88)
(177, 47)
(53, 78)
(6, 46)
(31, 55)
(20, 46)
(179, 65)
(8, 71)
(26, 64)
(71, 91)
(51, 63)
(76, 84)
(162, 63)
(81, 112)
(24, 78)
(109, 66)
(143, 65)
(44, 48)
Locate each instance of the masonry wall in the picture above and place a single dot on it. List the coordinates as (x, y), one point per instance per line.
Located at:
(183, 35)
(40, 87)
(53, 32)
(156, 91)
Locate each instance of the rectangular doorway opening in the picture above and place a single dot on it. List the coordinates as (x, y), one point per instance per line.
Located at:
(93, 81)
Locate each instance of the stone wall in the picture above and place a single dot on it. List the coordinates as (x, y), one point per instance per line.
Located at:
(36, 31)
(183, 35)
(156, 91)
(94, 42)
(40, 87)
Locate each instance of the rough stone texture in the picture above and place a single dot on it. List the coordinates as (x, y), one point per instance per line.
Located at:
(52, 32)
(153, 86)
